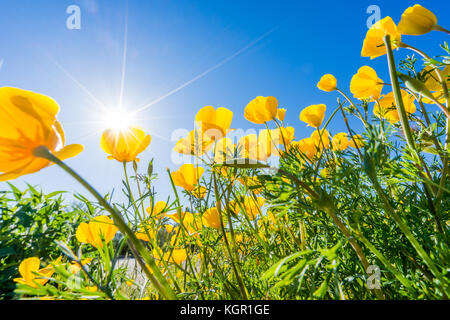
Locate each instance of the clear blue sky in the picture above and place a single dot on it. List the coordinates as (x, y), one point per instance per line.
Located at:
(172, 42)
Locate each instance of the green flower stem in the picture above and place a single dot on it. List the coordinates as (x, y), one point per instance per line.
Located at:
(383, 259)
(139, 187)
(233, 265)
(398, 95)
(353, 105)
(443, 82)
(327, 205)
(182, 227)
(155, 276)
(401, 108)
(350, 131)
(130, 193)
(391, 211)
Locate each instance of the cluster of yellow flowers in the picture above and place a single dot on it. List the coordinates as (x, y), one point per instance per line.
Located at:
(28, 125)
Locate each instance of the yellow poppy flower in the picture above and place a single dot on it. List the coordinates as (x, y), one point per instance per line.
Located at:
(281, 114)
(366, 84)
(75, 267)
(388, 110)
(145, 234)
(28, 121)
(215, 124)
(314, 115)
(252, 183)
(432, 81)
(125, 145)
(321, 139)
(100, 228)
(92, 289)
(307, 147)
(195, 144)
(224, 150)
(211, 218)
(31, 273)
(340, 142)
(327, 83)
(261, 109)
(169, 228)
(325, 173)
(359, 141)
(247, 146)
(187, 176)
(417, 20)
(258, 147)
(433, 84)
(268, 141)
(286, 135)
(373, 45)
(188, 220)
(179, 256)
(157, 209)
(252, 207)
(199, 192)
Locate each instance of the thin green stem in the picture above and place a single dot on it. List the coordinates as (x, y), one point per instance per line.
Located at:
(136, 246)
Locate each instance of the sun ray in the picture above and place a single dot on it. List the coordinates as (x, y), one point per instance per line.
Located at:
(79, 84)
(213, 68)
(124, 59)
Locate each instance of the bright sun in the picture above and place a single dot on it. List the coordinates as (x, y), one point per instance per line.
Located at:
(118, 119)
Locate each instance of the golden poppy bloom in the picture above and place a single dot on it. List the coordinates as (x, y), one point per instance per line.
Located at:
(195, 144)
(100, 228)
(187, 176)
(417, 20)
(248, 146)
(359, 141)
(125, 145)
(387, 109)
(268, 141)
(259, 147)
(199, 192)
(366, 84)
(327, 83)
(325, 173)
(373, 45)
(224, 150)
(188, 220)
(286, 135)
(211, 218)
(252, 183)
(157, 209)
(145, 234)
(432, 81)
(215, 124)
(433, 84)
(314, 115)
(340, 142)
(321, 139)
(28, 121)
(75, 267)
(252, 207)
(31, 273)
(281, 114)
(307, 147)
(178, 256)
(261, 109)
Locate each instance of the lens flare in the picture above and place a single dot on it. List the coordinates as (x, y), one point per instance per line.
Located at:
(118, 119)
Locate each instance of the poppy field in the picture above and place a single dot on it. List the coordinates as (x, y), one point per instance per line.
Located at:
(354, 215)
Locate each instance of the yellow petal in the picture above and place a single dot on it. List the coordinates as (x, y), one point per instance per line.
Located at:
(69, 151)
(261, 109)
